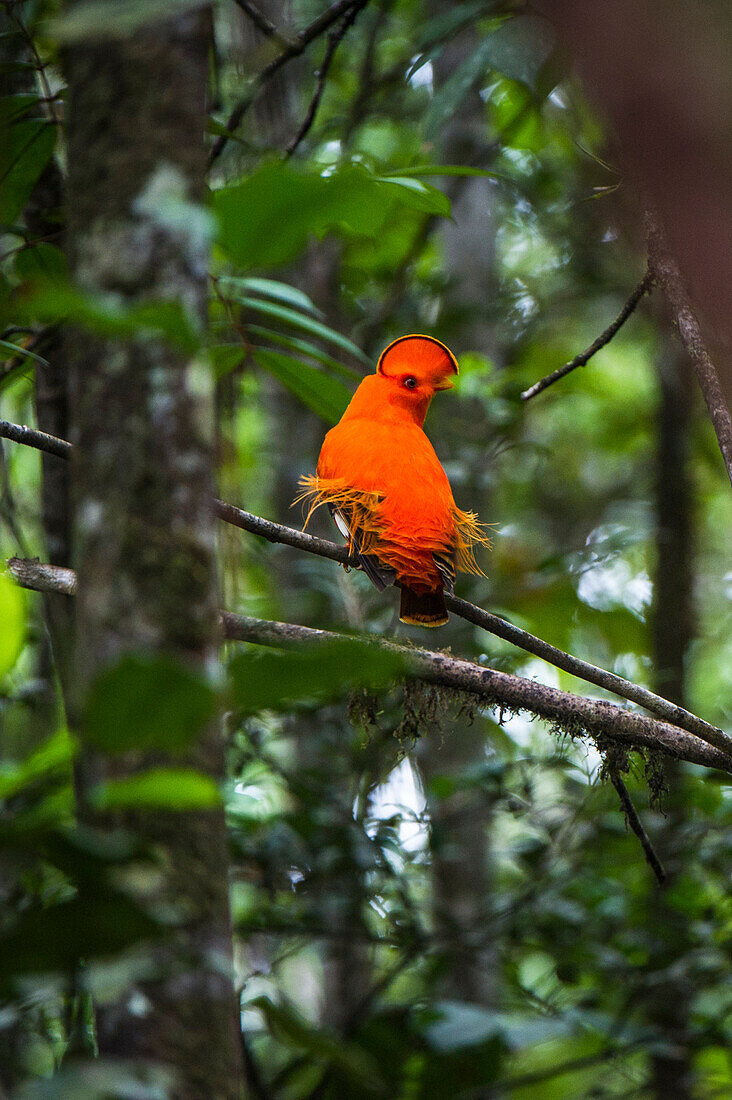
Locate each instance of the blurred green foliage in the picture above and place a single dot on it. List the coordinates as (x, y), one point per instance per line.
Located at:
(332, 807)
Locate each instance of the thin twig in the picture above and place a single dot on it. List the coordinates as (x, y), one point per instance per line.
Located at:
(666, 273)
(636, 825)
(294, 49)
(593, 717)
(644, 286)
(501, 628)
(335, 38)
(262, 22)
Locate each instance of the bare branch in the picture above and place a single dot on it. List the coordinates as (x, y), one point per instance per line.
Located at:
(501, 628)
(636, 825)
(262, 22)
(334, 40)
(594, 717)
(667, 275)
(644, 287)
(294, 49)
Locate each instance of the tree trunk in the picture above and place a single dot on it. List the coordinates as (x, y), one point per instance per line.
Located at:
(671, 992)
(141, 419)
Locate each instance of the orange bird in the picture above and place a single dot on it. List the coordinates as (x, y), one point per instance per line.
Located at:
(385, 488)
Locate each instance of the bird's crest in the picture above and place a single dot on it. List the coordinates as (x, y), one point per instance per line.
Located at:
(424, 356)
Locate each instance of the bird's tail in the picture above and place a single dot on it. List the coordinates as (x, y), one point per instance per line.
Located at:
(427, 609)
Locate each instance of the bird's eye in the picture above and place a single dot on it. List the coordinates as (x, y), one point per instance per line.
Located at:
(410, 382)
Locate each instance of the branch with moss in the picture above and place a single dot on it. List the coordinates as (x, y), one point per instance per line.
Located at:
(493, 624)
(605, 723)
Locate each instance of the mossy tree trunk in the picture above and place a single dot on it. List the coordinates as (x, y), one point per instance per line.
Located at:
(142, 425)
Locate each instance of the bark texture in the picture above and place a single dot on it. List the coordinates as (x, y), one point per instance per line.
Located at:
(669, 971)
(142, 474)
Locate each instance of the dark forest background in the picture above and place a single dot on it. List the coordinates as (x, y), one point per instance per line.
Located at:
(289, 869)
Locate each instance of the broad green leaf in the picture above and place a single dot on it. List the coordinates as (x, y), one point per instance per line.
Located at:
(273, 680)
(307, 324)
(304, 347)
(268, 217)
(26, 149)
(157, 788)
(109, 316)
(12, 618)
(147, 702)
(326, 396)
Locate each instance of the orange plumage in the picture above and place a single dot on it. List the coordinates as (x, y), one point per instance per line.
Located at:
(384, 485)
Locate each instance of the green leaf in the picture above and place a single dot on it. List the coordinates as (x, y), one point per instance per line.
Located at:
(268, 218)
(271, 288)
(304, 347)
(41, 261)
(14, 107)
(12, 618)
(147, 702)
(53, 755)
(273, 680)
(16, 352)
(26, 149)
(225, 358)
(422, 196)
(107, 315)
(307, 324)
(294, 1031)
(157, 788)
(326, 396)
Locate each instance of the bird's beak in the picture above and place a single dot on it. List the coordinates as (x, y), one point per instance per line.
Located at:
(446, 385)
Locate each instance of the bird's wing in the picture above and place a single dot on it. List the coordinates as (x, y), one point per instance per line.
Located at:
(446, 568)
(378, 573)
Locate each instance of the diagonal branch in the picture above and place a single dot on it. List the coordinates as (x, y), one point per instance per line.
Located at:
(262, 22)
(298, 46)
(667, 275)
(501, 628)
(335, 38)
(644, 287)
(636, 825)
(575, 714)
